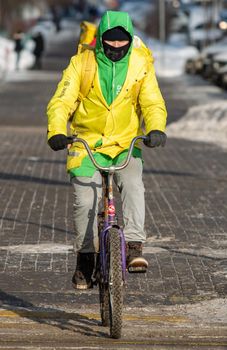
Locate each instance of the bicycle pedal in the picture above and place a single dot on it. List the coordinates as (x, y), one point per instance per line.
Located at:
(137, 269)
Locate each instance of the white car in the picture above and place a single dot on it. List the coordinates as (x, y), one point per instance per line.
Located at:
(202, 63)
(202, 35)
(201, 32)
(219, 61)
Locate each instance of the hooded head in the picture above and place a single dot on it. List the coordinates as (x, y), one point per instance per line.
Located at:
(114, 26)
(112, 60)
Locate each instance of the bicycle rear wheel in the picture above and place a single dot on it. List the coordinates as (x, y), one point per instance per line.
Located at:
(115, 284)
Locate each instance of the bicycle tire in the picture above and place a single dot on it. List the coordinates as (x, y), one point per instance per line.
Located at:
(104, 304)
(115, 284)
(103, 286)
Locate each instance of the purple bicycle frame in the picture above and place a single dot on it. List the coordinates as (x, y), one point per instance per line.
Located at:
(109, 222)
(109, 207)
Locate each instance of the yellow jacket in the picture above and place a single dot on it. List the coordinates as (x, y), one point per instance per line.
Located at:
(94, 120)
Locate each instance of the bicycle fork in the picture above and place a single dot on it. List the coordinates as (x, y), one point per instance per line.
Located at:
(110, 220)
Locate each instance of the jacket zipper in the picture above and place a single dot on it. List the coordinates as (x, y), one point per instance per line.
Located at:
(113, 82)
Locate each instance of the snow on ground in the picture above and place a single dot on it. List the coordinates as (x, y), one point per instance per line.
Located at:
(206, 123)
(169, 58)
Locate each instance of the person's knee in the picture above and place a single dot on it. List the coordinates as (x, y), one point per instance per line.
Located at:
(84, 201)
(130, 179)
(132, 185)
(86, 195)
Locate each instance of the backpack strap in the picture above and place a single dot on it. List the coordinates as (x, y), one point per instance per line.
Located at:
(88, 72)
(87, 77)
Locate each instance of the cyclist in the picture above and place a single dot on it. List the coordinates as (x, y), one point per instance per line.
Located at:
(108, 118)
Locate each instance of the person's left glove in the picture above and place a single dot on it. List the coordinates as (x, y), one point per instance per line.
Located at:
(58, 142)
(155, 138)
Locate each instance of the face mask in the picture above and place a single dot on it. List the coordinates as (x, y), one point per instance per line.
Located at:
(115, 53)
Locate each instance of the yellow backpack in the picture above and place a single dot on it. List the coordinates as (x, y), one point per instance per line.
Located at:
(88, 32)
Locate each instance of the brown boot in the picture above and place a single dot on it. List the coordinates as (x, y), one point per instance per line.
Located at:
(82, 278)
(135, 261)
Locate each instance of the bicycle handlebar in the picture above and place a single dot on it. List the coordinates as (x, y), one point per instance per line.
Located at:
(112, 168)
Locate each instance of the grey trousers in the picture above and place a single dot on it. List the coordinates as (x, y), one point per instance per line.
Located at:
(87, 195)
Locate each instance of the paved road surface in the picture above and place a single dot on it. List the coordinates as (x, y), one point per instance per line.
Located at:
(179, 303)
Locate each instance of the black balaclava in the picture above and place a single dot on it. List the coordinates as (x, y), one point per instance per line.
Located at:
(116, 34)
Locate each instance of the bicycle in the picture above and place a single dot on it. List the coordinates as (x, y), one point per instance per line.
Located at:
(110, 271)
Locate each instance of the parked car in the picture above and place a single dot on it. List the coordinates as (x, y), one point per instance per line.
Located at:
(201, 63)
(194, 65)
(210, 59)
(222, 77)
(203, 34)
(219, 68)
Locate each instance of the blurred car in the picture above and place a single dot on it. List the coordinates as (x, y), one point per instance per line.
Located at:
(203, 26)
(138, 10)
(203, 34)
(222, 77)
(223, 20)
(209, 60)
(194, 65)
(219, 68)
(202, 63)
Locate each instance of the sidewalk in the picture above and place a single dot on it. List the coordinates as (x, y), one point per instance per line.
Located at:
(183, 293)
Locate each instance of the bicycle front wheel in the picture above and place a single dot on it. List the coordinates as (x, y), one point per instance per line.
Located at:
(115, 284)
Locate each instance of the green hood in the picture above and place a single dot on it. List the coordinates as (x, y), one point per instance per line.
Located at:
(112, 75)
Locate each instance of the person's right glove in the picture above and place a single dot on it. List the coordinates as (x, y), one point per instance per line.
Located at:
(155, 138)
(58, 142)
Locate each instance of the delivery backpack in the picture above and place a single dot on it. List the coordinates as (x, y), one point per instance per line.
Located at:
(89, 70)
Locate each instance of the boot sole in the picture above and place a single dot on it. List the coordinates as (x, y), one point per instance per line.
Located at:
(138, 265)
(82, 286)
(138, 269)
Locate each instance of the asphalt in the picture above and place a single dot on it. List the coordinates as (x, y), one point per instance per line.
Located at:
(180, 301)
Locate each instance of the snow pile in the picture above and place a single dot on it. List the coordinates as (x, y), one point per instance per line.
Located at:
(170, 60)
(206, 123)
(8, 56)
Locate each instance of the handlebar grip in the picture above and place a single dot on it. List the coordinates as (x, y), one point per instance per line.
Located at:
(70, 139)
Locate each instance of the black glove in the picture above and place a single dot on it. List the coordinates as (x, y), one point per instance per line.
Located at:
(58, 142)
(155, 138)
